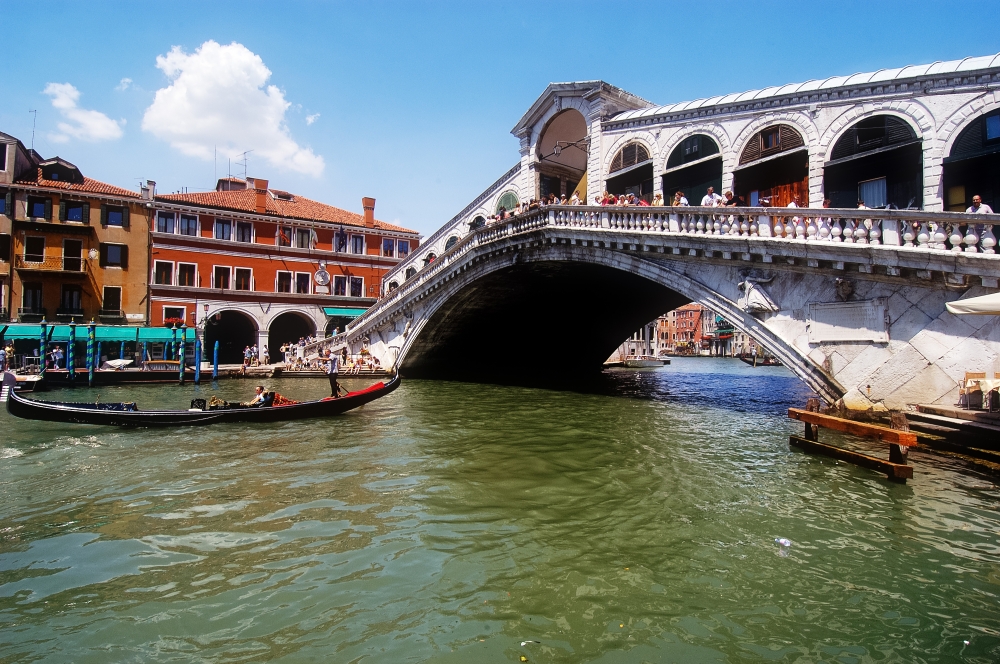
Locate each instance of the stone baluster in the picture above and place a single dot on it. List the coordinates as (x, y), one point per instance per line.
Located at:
(700, 225)
(800, 228)
(924, 236)
(812, 229)
(971, 239)
(727, 228)
(778, 229)
(823, 229)
(745, 225)
(875, 232)
(861, 231)
(836, 232)
(955, 238)
(909, 234)
(849, 228)
(716, 225)
(989, 240)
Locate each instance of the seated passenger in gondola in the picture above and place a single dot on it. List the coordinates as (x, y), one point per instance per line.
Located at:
(259, 399)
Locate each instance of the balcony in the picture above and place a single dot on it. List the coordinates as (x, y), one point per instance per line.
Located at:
(111, 316)
(31, 314)
(64, 265)
(4, 315)
(69, 312)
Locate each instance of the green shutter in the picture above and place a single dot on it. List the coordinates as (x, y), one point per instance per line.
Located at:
(48, 209)
(103, 254)
(86, 213)
(125, 216)
(125, 257)
(104, 214)
(62, 210)
(9, 206)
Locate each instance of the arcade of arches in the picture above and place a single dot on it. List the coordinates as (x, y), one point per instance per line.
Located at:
(288, 327)
(234, 331)
(773, 168)
(631, 172)
(693, 167)
(562, 149)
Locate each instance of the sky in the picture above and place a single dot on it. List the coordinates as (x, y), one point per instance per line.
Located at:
(409, 102)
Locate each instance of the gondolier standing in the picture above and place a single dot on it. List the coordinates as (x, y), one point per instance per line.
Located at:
(332, 368)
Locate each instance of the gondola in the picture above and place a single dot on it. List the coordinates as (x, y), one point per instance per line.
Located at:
(128, 415)
(760, 361)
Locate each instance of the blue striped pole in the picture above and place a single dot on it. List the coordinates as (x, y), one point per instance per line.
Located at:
(173, 341)
(97, 359)
(215, 361)
(145, 354)
(197, 361)
(121, 352)
(91, 335)
(41, 349)
(180, 354)
(71, 353)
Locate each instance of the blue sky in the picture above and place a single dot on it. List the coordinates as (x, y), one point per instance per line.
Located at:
(409, 102)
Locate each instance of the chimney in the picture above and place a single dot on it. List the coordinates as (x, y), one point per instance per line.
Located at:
(260, 190)
(369, 205)
(148, 190)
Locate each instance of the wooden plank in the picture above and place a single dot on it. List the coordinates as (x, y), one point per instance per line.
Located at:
(881, 433)
(895, 471)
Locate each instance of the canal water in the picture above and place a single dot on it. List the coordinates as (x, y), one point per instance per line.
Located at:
(633, 519)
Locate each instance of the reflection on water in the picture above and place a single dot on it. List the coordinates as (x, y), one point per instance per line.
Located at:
(628, 520)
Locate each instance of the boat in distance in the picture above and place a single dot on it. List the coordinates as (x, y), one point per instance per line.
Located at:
(760, 361)
(128, 415)
(644, 361)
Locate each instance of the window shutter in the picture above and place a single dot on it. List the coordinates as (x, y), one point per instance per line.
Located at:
(48, 209)
(86, 213)
(62, 210)
(125, 257)
(9, 205)
(104, 252)
(104, 214)
(125, 216)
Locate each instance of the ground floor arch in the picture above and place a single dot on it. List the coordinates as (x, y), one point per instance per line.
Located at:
(234, 330)
(288, 327)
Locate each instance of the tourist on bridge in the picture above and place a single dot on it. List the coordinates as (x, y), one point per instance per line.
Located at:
(734, 201)
(978, 207)
(658, 200)
(680, 200)
(711, 199)
(332, 365)
(575, 199)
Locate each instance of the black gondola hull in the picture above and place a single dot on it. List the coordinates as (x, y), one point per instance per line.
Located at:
(93, 414)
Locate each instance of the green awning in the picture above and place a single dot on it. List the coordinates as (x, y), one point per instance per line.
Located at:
(344, 311)
(102, 333)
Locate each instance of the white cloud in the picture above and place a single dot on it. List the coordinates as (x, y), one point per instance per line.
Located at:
(124, 84)
(80, 123)
(312, 118)
(217, 99)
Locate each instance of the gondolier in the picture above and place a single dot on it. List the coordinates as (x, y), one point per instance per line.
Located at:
(332, 369)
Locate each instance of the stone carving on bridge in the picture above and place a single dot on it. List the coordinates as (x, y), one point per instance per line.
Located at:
(755, 299)
(867, 320)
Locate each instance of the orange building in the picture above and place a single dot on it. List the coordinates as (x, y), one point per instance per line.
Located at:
(246, 264)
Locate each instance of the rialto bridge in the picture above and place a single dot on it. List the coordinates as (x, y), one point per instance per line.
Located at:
(861, 320)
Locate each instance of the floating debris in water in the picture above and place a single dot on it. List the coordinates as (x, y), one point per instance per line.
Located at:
(783, 541)
(524, 643)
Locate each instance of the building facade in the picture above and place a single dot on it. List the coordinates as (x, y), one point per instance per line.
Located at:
(248, 264)
(71, 248)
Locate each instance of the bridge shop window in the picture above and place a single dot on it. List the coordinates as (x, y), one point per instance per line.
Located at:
(283, 282)
(878, 160)
(223, 229)
(75, 211)
(189, 224)
(164, 222)
(113, 255)
(692, 167)
(243, 279)
(115, 215)
(302, 282)
(187, 274)
(388, 247)
(631, 172)
(244, 231)
(340, 286)
(773, 168)
(357, 287)
(402, 248)
(972, 164)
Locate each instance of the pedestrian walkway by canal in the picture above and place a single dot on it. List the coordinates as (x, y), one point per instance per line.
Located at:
(630, 520)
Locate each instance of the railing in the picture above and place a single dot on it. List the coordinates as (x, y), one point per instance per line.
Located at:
(914, 230)
(69, 311)
(50, 264)
(111, 313)
(29, 314)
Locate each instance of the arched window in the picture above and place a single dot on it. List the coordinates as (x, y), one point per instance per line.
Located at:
(982, 135)
(393, 285)
(630, 155)
(477, 223)
(691, 149)
(452, 241)
(871, 134)
(508, 201)
(769, 141)
(410, 271)
(430, 258)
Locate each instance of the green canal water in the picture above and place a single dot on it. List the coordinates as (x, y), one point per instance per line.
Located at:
(630, 520)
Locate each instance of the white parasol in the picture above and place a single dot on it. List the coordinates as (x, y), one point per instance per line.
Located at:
(984, 305)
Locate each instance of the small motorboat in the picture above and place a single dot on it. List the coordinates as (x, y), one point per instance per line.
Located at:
(21, 382)
(200, 414)
(119, 372)
(644, 361)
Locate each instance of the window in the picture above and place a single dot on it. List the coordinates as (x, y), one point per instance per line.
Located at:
(223, 229)
(186, 274)
(244, 231)
(114, 255)
(244, 278)
(112, 298)
(993, 127)
(303, 236)
(74, 211)
(873, 193)
(31, 298)
(357, 287)
(340, 241)
(72, 253)
(630, 155)
(410, 271)
(220, 277)
(40, 208)
(114, 216)
(163, 273)
(340, 286)
(165, 222)
(189, 224)
(71, 299)
(34, 249)
(402, 248)
(357, 244)
(284, 236)
(452, 241)
(388, 247)
(508, 201)
(4, 249)
(477, 223)
(4, 197)
(175, 315)
(283, 283)
(770, 139)
(302, 280)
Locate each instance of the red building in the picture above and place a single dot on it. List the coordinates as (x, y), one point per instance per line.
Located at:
(246, 264)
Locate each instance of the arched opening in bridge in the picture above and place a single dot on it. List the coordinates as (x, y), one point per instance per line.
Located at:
(631, 172)
(234, 330)
(693, 167)
(878, 160)
(562, 155)
(478, 223)
(773, 168)
(288, 327)
(544, 313)
(507, 202)
(452, 241)
(972, 165)
(410, 271)
(430, 258)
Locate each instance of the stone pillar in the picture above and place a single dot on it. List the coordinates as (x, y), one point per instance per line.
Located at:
(933, 176)
(595, 174)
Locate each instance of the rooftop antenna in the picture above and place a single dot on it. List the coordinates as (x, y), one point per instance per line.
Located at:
(245, 161)
(34, 113)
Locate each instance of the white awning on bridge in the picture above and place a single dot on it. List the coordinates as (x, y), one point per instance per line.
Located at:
(985, 305)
